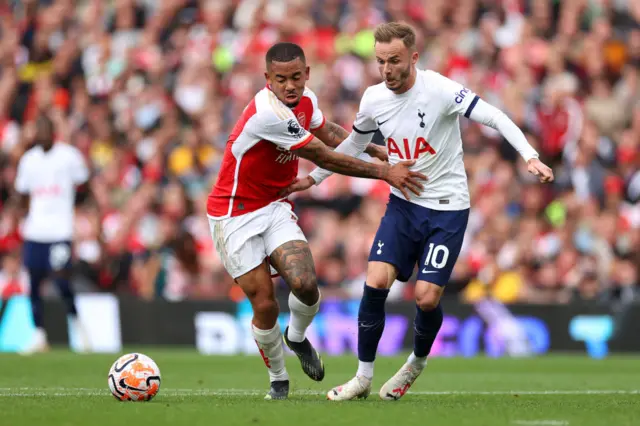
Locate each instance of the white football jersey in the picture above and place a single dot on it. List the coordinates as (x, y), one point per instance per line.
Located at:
(422, 124)
(50, 179)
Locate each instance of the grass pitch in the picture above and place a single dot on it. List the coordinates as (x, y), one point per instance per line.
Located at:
(63, 389)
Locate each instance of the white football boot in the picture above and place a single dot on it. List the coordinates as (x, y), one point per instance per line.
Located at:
(357, 388)
(79, 336)
(38, 343)
(399, 384)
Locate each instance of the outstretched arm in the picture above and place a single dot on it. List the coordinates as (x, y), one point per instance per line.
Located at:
(333, 135)
(353, 146)
(491, 116)
(457, 99)
(398, 176)
(337, 162)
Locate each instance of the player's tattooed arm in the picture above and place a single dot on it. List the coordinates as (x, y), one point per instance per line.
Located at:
(398, 175)
(294, 263)
(318, 153)
(333, 134)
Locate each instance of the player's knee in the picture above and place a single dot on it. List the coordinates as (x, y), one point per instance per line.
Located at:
(429, 299)
(307, 291)
(428, 303)
(377, 282)
(264, 304)
(380, 275)
(265, 308)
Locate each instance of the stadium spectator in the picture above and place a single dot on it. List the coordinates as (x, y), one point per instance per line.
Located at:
(148, 91)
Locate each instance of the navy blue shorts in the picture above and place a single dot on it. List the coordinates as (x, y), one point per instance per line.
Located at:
(47, 257)
(410, 234)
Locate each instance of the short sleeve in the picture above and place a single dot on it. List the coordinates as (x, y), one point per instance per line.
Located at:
(22, 176)
(364, 122)
(317, 117)
(79, 170)
(277, 124)
(456, 98)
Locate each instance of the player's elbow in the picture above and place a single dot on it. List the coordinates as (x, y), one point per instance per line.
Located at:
(489, 115)
(314, 151)
(501, 121)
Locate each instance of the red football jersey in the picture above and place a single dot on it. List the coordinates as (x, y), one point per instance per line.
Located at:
(259, 161)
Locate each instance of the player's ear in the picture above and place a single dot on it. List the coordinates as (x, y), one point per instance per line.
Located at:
(307, 72)
(414, 57)
(266, 77)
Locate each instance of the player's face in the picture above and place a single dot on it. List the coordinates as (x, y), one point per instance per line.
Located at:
(287, 80)
(396, 64)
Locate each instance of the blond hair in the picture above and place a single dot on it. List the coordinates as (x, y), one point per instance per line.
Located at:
(385, 33)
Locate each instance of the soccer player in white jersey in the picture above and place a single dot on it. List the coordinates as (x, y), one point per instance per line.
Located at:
(418, 113)
(47, 177)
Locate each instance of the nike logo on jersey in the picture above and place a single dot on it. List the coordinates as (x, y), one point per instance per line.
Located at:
(380, 123)
(424, 271)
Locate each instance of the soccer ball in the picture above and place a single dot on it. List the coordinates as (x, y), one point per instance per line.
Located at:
(134, 377)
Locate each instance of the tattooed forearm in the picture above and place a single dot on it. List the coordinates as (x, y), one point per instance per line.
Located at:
(332, 134)
(340, 163)
(294, 263)
(371, 149)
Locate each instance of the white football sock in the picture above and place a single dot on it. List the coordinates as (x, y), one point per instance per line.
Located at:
(270, 344)
(301, 317)
(40, 337)
(365, 369)
(80, 335)
(417, 362)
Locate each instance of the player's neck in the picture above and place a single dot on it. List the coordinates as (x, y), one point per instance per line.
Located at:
(411, 81)
(46, 147)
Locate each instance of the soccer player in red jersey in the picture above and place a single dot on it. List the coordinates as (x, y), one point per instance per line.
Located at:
(253, 226)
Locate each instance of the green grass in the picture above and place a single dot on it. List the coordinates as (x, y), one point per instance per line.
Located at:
(60, 388)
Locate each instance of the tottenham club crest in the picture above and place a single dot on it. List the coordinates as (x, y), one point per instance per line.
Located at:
(294, 128)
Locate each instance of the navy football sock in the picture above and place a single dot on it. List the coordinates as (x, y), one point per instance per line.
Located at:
(425, 329)
(35, 279)
(370, 322)
(67, 295)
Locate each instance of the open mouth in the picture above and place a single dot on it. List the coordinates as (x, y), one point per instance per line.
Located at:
(291, 97)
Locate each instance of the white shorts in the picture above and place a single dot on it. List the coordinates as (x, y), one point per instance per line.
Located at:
(244, 242)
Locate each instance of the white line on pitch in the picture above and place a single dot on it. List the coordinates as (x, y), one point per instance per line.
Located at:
(61, 391)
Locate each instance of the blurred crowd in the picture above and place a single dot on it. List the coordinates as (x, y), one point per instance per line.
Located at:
(149, 90)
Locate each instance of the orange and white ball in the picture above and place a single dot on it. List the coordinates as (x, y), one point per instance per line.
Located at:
(134, 377)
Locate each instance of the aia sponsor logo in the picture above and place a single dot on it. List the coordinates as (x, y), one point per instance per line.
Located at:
(48, 191)
(406, 152)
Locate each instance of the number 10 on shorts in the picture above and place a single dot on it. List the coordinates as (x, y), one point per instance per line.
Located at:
(436, 257)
